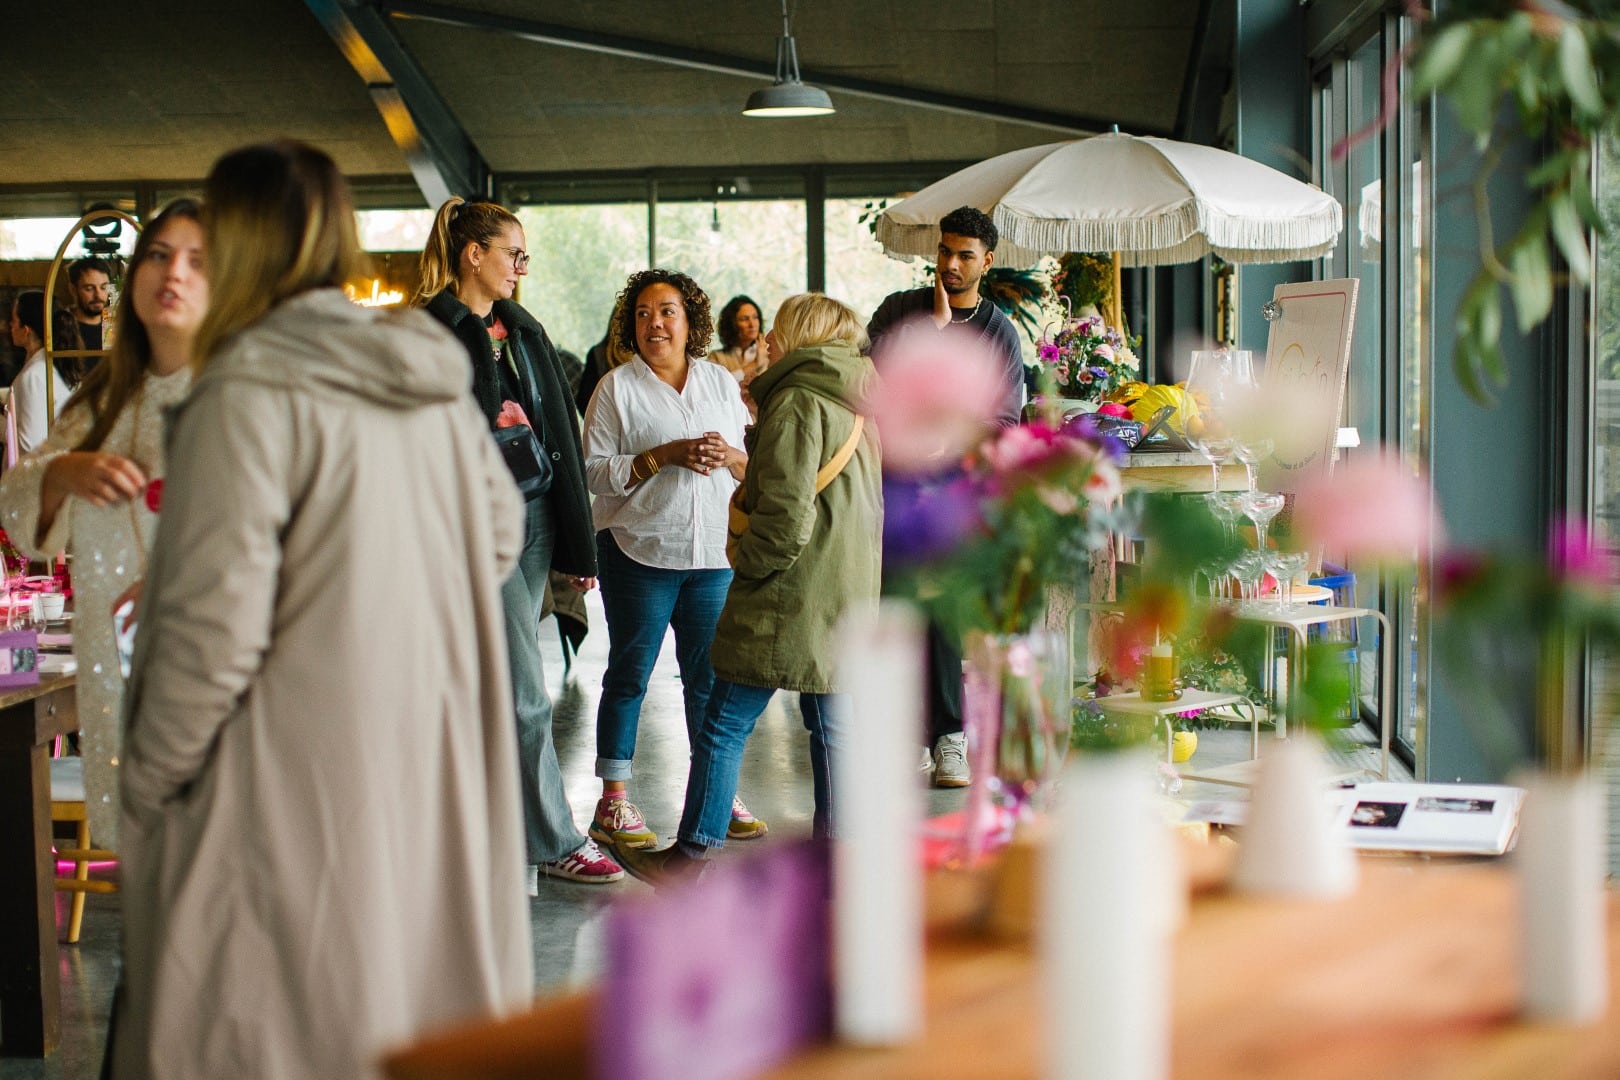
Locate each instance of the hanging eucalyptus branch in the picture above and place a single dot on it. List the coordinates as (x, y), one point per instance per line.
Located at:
(1558, 65)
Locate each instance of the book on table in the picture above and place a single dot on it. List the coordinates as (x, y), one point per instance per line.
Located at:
(1459, 819)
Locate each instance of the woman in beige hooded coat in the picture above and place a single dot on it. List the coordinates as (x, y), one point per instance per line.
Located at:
(322, 841)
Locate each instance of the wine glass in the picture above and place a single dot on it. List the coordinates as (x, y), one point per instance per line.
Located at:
(1217, 379)
(1260, 507)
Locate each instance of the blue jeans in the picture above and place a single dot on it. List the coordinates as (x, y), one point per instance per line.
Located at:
(717, 758)
(548, 821)
(641, 602)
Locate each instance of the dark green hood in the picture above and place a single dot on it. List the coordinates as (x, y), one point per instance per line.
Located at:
(831, 369)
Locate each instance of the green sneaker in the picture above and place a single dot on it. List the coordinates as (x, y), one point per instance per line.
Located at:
(617, 822)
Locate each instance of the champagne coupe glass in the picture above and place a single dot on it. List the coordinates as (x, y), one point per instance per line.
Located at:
(1249, 569)
(1216, 379)
(1260, 507)
(1286, 565)
(1227, 507)
(1251, 451)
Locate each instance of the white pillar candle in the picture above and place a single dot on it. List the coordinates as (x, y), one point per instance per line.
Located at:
(1103, 935)
(877, 869)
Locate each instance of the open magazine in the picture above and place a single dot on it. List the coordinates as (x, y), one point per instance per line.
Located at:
(1460, 819)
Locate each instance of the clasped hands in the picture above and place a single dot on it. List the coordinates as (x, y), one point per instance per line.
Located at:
(703, 454)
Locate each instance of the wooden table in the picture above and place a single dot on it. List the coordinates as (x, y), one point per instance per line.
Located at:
(30, 988)
(1166, 470)
(1414, 976)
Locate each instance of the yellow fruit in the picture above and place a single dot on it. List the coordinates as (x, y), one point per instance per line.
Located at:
(1151, 399)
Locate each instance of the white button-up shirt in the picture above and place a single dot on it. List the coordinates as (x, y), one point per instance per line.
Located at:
(677, 519)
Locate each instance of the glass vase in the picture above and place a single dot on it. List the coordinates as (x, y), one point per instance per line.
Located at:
(1017, 713)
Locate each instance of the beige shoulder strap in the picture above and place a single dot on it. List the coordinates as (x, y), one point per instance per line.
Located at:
(836, 463)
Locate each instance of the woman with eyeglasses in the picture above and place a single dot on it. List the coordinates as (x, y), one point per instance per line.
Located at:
(470, 269)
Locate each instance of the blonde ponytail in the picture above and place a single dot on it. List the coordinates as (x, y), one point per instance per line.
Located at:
(457, 224)
(438, 257)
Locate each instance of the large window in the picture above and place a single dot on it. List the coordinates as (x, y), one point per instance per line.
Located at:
(753, 247)
(1371, 163)
(580, 257)
(858, 272)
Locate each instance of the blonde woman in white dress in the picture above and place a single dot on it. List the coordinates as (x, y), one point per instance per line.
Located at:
(94, 485)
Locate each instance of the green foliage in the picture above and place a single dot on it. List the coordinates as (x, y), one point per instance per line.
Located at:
(1086, 279)
(1555, 68)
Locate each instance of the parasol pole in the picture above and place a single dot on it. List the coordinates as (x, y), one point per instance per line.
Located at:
(1115, 316)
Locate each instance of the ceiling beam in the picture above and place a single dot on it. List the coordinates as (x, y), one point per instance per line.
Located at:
(571, 37)
(443, 159)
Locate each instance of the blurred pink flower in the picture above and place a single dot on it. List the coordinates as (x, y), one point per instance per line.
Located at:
(936, 396)
(1113, 408)
(1575, 556)
(1103, 352)
(1372, 507)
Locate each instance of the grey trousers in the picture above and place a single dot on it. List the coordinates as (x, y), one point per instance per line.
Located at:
(548, 821)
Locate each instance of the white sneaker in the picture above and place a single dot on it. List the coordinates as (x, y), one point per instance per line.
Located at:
(950, 761)
(927, 761)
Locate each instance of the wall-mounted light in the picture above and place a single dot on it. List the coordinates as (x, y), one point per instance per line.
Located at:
(788, 96)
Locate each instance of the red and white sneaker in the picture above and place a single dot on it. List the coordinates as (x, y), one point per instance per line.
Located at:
(586, 864)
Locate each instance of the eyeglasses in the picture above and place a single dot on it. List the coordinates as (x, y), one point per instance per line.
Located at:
(520, 258)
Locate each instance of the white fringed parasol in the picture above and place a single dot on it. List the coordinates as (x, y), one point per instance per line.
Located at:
(1151, 201)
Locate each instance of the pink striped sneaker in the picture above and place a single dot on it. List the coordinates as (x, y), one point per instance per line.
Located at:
(744, 825)
(586, 864)
(617, 823)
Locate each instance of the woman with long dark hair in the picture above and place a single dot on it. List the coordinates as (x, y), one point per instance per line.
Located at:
(93, 486)
(321, 838)
(470, 269)
(28, 388)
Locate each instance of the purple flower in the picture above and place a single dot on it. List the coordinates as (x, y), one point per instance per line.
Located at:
(927, 519)
(1048, 351)
(1100, 372)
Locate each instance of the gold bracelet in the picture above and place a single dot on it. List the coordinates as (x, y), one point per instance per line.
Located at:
(652, 464)
(635, 478)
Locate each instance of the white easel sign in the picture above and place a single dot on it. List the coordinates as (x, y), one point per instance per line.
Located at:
(1307, 358)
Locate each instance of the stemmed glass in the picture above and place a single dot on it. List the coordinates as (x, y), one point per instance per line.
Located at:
(1260, 507)
(1285, 565)
(1217, 379)
(1251, 451)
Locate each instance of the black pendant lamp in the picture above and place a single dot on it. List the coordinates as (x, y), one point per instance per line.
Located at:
(788, 96)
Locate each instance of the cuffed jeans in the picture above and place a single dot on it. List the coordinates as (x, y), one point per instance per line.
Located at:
(548, 821)
(641, 602)
(717, 758)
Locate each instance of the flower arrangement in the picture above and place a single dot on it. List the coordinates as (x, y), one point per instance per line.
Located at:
(1087, 359)
(982, 543)
(1508, 628)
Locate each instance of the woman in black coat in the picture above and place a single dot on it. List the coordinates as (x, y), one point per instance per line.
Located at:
(470, 269)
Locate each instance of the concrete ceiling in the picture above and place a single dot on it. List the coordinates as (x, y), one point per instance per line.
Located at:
(201, 76)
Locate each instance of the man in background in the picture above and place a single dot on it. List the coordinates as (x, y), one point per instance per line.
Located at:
(90, 282)
(955, 304)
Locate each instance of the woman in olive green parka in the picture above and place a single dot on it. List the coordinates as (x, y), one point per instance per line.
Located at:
(806, 559)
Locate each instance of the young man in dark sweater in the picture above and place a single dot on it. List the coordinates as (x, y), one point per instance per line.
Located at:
(967, 248)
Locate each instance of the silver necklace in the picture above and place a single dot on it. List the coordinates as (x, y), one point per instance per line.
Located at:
(975, 312)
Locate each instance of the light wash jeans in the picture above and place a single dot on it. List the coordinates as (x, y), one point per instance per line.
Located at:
(642, 602)
(717, 758)
(548, 821)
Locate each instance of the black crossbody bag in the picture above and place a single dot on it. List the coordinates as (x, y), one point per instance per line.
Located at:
(520, 445)
(524, 454)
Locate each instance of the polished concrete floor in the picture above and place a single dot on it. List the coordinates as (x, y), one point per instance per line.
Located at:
(568, 918)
